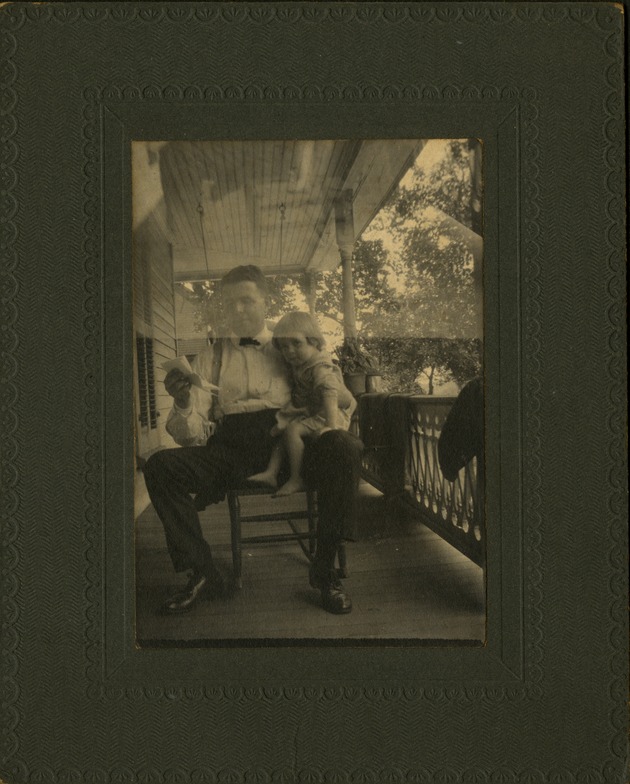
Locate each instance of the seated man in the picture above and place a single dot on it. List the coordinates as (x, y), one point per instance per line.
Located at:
(233, 440)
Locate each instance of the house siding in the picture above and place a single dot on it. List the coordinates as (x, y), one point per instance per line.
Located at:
(153, 319)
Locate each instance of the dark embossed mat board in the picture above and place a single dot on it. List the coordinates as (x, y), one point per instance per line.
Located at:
(541, 695)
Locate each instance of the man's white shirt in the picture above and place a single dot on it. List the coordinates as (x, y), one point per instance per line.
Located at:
(252, 378)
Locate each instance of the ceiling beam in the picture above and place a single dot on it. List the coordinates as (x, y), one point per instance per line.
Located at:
(189, 264)
(198, 276)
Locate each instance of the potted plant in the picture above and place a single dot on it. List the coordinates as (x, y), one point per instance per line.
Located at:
(358, 366)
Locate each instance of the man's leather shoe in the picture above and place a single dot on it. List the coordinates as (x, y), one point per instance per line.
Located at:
(198, 586)
(334, 598)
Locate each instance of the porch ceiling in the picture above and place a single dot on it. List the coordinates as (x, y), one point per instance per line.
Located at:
(270, 203)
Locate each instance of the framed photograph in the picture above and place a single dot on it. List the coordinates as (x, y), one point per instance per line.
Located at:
(377, 244)
(213, 215)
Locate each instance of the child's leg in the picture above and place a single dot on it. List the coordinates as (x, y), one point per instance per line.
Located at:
(294, 444)
(270, 475)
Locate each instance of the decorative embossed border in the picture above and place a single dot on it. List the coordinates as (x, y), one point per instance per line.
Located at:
(612, 132)
(605, 774)
(291, 13)
(9, 394)
(612, 143)
(101, 100)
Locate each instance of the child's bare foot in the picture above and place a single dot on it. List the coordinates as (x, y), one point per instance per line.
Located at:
(264, 478)
(290, 487)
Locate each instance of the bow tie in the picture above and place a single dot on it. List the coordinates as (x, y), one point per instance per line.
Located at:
(248, 342)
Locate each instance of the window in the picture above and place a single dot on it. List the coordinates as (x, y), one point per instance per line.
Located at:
(146, 382)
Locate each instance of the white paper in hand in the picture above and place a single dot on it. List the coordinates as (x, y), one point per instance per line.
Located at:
(183, 365)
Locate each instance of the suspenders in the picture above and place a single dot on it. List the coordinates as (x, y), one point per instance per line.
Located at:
(215, 372)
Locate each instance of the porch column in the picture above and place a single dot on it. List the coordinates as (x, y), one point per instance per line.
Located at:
(311, 291)
(344, 225)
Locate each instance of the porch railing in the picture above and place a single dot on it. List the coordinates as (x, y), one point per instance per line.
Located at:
(401, 435)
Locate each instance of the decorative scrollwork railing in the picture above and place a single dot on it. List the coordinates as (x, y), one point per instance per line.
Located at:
(401, 434)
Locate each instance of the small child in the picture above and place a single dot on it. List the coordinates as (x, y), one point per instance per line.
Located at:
(319, 399)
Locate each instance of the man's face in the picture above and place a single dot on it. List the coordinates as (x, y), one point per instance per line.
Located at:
(244, 306)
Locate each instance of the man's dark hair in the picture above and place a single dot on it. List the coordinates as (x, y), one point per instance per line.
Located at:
(246, 272)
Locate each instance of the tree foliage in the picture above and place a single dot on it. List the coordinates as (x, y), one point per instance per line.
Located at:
(416, 300)
(437, 269)
(446, 186)
(372, 289)
(419, 365)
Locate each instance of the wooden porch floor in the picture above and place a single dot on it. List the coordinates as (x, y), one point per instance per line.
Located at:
(406, 584)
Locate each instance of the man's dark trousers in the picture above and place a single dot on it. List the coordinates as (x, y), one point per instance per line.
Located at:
(242, 447)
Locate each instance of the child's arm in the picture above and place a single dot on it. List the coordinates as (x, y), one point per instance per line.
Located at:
(330, 408)
(326, 384)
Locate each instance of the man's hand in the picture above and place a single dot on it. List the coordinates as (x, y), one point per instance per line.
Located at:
(178, 387)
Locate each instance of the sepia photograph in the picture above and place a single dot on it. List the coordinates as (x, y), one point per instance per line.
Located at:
(308, 384)
(313, 392)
